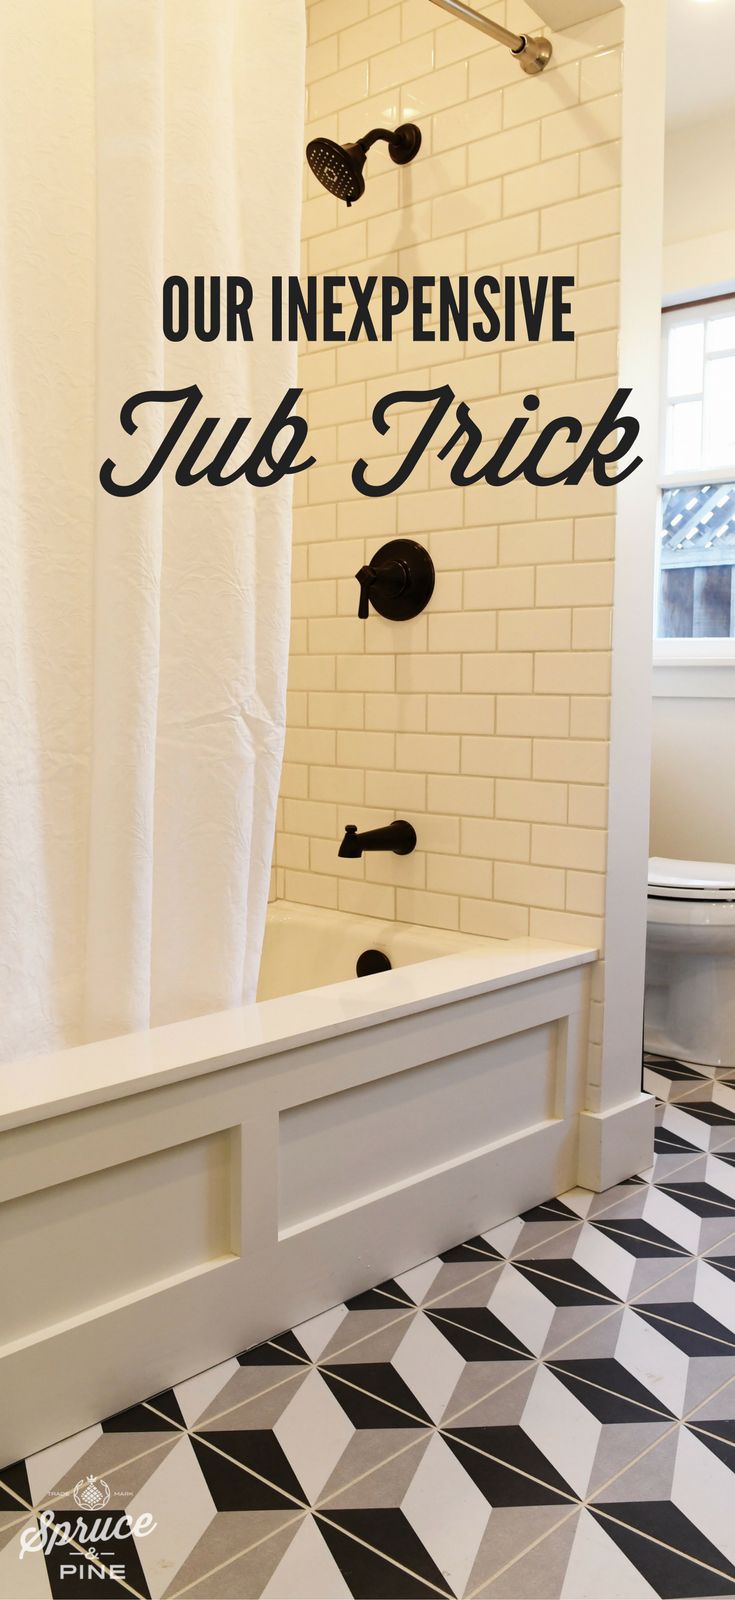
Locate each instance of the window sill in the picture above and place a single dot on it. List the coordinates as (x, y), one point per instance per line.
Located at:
(681, 676)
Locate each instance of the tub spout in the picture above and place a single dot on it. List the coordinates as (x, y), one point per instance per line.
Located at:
(400, 837)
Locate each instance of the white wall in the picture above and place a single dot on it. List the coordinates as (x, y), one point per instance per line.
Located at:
(693, 780)
(699, 225)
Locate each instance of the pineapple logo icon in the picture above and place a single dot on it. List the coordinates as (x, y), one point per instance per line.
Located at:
(91, 1494)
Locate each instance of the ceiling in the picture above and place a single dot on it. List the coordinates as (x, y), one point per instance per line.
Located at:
(701, 62)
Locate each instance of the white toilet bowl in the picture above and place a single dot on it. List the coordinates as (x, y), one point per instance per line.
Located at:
(690, 961)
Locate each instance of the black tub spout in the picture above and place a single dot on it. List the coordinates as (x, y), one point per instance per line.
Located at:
(400, 837)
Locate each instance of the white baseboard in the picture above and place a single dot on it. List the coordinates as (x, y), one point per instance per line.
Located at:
(613, 1144)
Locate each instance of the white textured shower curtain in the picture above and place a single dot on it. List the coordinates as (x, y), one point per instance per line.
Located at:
(143, 641)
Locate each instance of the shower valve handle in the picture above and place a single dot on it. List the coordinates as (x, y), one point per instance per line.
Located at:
(398, 582)
(388, 581)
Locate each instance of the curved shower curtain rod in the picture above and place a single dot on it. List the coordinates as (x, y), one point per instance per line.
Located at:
(531, 54)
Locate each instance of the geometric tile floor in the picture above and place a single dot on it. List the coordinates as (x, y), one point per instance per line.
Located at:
(546, 1411)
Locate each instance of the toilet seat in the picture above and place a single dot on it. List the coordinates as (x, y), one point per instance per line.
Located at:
(703, 882)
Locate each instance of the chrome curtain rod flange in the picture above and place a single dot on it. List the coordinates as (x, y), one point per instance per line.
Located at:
(531, 54)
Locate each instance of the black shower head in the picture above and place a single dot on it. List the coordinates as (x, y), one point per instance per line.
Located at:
(339, 167)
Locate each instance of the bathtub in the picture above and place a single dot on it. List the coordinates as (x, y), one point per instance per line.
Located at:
(172, 1197)
(307, 948)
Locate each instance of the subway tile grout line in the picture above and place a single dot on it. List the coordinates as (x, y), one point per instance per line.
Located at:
(474, 139)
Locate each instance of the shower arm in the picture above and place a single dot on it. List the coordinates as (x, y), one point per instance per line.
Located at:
(531, 54)
(391, 136)
(375, 134)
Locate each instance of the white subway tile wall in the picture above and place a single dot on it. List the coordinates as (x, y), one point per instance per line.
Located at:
(485, 721)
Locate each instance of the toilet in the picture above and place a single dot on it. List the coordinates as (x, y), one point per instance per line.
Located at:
(690, 961)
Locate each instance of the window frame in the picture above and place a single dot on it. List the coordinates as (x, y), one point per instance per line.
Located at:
(716, 652)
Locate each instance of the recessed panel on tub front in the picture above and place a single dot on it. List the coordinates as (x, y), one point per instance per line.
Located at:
(345, 1147)
(78, 1246)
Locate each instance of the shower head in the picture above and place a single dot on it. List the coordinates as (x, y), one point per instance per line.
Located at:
(339, 167)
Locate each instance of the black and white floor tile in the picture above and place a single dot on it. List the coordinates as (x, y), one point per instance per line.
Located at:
(547, 1410)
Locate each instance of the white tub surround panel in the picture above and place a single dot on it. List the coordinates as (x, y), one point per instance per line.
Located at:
(170, 1197)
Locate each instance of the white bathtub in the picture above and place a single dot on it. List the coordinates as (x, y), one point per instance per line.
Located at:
(307, 948)
(169, 1198)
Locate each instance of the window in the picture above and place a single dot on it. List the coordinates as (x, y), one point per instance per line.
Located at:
(696, 553)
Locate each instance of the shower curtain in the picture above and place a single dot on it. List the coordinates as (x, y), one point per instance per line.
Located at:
(143, 641)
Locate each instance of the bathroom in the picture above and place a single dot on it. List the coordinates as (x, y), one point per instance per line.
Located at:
(346, 1249)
